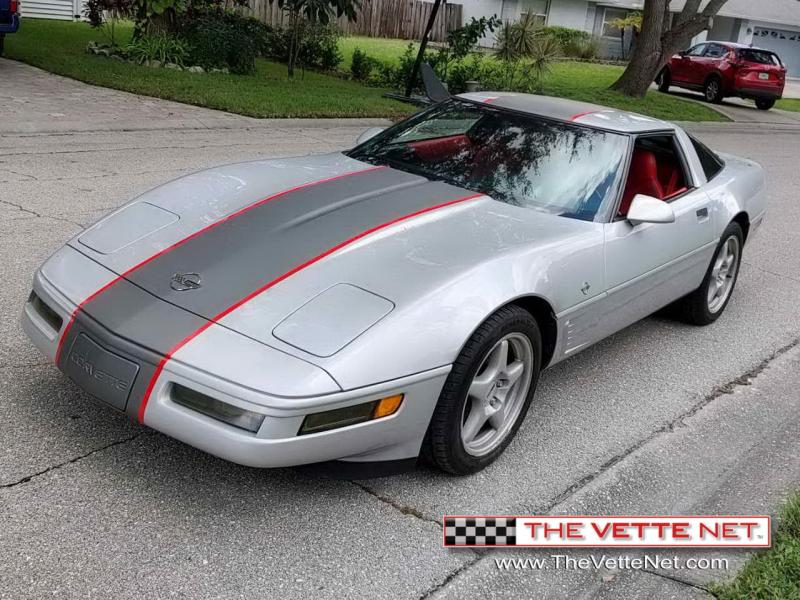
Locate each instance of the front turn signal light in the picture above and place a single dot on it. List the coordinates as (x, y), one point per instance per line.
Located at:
(351, 415)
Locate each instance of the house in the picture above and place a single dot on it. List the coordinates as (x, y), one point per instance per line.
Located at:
(770, 24)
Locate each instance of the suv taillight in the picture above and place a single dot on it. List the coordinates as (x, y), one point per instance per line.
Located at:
(14, 6)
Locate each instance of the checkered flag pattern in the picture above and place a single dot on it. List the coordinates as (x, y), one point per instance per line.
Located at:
(480, 531)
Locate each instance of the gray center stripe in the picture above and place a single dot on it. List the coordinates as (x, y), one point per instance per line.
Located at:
(246, 252)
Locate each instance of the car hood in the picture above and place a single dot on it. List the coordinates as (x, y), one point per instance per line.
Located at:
(307, 254)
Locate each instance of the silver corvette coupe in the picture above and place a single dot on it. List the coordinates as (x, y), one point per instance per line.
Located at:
(401, 298)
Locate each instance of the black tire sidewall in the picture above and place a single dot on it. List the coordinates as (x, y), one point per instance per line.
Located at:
(718, 96)
(444, 434)
(765, 104)
(702, 305)
(663, 81)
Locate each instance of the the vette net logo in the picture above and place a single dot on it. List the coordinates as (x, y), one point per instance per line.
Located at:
(616, 531)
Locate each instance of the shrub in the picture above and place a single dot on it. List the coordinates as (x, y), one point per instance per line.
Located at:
(220, 39)
(585, 49)
(564, 35)
(157, 47)
(319, 46)
(361, 65)
(105, 14)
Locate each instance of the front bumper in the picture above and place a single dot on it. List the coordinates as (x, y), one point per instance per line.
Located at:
(276, 443)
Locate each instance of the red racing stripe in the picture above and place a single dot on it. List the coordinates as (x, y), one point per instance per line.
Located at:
(581, 114)
(201, 231)
(265, 287)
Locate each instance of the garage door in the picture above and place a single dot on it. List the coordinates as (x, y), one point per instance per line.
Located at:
(784, 43)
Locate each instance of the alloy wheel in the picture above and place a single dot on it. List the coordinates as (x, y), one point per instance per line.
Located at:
(723, 274)
(497, 394)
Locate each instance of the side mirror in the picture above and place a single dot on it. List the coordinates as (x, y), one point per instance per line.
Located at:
(368, 134)
(646, 209)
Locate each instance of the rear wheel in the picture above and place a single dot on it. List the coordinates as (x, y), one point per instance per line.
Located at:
(765, 103)
(487, 393)
(713, 89)
(708, 302)
(2, 42)
(663, 80)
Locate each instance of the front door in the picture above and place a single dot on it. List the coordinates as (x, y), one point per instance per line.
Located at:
(652, 264)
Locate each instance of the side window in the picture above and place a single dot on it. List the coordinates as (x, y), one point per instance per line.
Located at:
(697, 50)
(656, 170)
(712, 164)
(715, 51)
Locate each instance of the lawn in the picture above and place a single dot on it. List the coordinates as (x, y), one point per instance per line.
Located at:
(59, 47)
(588, 82)
(789, 104)
(775, 574)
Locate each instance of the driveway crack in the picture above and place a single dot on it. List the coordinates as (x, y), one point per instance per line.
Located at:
(451, 576)
(744, 379)
(73, 460)
(33, 213)
(677, 580)
(404, 509)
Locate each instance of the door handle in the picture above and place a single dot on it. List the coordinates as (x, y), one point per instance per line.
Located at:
(702, 214)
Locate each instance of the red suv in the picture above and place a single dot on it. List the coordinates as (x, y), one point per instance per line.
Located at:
(720, 69)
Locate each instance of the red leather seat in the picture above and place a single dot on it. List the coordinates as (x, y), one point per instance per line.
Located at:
(642, 179)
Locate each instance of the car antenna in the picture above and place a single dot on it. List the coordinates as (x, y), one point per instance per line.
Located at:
(434, 87)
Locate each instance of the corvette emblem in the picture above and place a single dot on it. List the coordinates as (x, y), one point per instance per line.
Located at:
(182, 282)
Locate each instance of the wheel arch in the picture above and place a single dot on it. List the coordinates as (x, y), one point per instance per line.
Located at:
(545, 316)
(743, 219)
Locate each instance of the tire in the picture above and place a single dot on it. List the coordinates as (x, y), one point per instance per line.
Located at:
(2, 43)
(765, 103)
(699, 308)
(445, 445)
(663, 80)
(712, 90)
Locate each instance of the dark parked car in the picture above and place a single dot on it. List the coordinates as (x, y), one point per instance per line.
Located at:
(721, 69)
(9, 19)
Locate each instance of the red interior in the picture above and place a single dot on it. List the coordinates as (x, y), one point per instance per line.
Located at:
(659, 177)
(440, 148)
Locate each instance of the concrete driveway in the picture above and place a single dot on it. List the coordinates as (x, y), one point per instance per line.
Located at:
(661, 418)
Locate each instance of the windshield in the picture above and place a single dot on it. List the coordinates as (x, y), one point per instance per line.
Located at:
(522, 160)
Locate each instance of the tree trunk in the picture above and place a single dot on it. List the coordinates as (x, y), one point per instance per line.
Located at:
(643, 65)
(655, 44)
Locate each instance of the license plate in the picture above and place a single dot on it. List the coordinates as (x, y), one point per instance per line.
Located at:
(763, 75)
(103, 374)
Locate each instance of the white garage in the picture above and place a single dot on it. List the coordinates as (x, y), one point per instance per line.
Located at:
(782, 42)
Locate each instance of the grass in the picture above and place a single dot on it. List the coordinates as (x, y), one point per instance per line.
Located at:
(385, 50)
(588, 82)
(59, 47)
(789, 104)
(775, 574)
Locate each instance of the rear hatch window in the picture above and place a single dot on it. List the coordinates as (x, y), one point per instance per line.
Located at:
(760, 57)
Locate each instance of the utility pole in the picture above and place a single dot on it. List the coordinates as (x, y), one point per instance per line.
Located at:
(421, 54)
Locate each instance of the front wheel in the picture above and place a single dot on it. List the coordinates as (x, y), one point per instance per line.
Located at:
(765, 103)
(663, 80)
(487, 393)
(707, 303)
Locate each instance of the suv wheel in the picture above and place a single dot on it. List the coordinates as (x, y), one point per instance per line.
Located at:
(663, 80)
(713, 90)
(765, 103)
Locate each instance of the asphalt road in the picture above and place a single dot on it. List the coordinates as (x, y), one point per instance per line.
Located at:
(662, 417)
